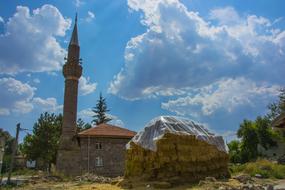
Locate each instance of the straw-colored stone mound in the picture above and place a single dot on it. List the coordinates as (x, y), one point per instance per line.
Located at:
(178, 157)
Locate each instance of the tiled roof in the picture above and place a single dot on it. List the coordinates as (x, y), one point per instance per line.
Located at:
(107, 130)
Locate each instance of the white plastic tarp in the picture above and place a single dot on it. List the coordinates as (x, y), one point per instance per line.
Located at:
(157, 127)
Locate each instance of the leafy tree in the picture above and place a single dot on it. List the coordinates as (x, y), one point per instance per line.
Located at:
(252, 134)
(100, 111)
(276, 108)
(258, 132)
(264, 132)
(7, 149)
(249, 140)
(44, 141)
(81, 125)
(234, 151)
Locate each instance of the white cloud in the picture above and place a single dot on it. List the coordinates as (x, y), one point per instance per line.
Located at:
(86, 113)
(48, 104)
(90, 16)
(229, 135)
(85, 86)
(1, 20)
(115, 120)
(36, 80)
(227, 95)
(4, 112)
(18, 97)
(78, 3)
(31, 38)
(226, 15)
(181, 50)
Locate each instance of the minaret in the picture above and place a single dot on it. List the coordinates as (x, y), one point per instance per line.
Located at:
(69, 152)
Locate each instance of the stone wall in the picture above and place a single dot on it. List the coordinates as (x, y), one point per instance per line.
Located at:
(112, 153)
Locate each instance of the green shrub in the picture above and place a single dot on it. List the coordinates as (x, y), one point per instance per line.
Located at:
(265, 168)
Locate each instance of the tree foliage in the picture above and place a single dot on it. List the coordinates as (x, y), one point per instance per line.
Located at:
(43, 143)
(249, 140)
(100, 111)
(257, 132)
(7, 149)
(265, 135)
(81, 125)
(234, 151)
(276, 108)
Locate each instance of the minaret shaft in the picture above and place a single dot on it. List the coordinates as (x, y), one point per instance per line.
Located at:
(68, 157)
(70, 107)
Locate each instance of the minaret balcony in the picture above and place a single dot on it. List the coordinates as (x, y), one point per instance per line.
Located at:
(72, 71)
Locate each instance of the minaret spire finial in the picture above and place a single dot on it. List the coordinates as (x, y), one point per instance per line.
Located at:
(74, 37)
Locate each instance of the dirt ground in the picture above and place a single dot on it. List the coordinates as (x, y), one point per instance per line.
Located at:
(52, 183)
(96, 186)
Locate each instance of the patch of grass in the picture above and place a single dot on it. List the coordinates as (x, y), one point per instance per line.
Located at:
(22, 172)
(265, 168)
(27, 172)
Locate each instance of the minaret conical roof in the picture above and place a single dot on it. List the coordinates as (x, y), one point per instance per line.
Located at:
(74, 37)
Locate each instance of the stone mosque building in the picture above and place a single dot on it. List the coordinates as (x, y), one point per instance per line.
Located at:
(100, 149)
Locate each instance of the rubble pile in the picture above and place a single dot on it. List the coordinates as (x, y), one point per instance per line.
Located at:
(94, 178)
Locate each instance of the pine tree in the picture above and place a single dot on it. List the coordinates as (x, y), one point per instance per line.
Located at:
(100, 111)
(81, 125)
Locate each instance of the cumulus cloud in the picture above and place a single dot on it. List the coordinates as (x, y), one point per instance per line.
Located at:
(182, 50)
(4, 111)
(226, 95)
(226, 15)
(85, 113)
(36, 80)
(48, 104)
(115, 120)
(85, 86)
(29, 42)
(90, 16)
(78, 3)
(18, 97)
(1, 20)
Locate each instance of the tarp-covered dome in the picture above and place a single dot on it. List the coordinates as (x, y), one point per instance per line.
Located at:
(161, 125)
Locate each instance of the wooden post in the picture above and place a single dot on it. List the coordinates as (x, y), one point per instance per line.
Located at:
(2, 151)
(15, 146)
(88, 147)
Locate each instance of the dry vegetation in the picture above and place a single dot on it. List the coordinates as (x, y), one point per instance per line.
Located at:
(242, 175)
(178, 158)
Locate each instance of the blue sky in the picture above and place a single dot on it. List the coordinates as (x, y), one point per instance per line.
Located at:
(216, 62)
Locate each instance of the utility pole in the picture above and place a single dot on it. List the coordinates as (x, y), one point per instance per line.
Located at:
(2, 149)
(15, 146)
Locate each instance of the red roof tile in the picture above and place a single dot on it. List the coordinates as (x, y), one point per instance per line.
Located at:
(107, 130)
